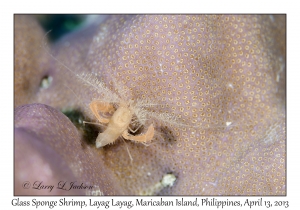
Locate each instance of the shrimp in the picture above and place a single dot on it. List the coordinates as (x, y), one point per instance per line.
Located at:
(118, 124)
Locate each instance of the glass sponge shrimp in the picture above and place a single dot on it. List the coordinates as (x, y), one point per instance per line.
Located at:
(124, 114)
(118, 124)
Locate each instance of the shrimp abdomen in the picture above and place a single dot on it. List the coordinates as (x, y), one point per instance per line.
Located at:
(107, 137)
